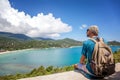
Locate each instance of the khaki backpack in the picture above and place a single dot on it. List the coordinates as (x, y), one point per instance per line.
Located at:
(102, 62)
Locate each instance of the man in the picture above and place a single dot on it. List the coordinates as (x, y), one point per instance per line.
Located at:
(87, 50)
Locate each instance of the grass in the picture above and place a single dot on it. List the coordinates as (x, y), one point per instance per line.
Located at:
(117, 56)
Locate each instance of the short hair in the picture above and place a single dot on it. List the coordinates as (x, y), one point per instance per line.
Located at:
(94, 29)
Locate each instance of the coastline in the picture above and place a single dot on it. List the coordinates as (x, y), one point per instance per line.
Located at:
(7, 52)
(74, 46)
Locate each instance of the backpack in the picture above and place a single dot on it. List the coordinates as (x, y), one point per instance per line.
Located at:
(102, 62)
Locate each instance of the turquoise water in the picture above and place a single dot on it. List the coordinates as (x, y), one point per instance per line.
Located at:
(25, 60)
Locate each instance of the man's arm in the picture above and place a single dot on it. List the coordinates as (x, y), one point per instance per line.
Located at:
(82, 59)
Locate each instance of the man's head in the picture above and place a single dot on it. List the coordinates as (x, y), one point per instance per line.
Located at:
(92, 31)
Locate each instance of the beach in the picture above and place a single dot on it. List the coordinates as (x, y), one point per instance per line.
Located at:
(6, 52)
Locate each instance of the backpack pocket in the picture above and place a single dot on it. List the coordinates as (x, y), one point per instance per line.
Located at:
(108, 69)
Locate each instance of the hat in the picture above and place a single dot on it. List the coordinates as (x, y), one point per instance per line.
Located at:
(93, 29)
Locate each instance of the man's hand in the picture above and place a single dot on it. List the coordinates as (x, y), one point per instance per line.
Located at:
(82, 60)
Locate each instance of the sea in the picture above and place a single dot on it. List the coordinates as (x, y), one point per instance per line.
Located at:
(23, 61)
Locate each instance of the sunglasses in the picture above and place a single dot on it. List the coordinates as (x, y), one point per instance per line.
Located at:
(87, 30)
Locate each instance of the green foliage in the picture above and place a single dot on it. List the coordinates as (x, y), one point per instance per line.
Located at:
(113, 43)
(56, 70)
(117, 56)
(15, 44)
(49, 69)
(37, 72)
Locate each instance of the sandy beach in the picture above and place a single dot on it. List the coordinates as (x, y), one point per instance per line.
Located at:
(6, 52)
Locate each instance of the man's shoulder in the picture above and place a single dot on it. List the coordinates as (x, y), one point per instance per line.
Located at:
(88, 41)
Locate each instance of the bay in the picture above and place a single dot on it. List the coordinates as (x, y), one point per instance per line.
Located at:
(24, 61)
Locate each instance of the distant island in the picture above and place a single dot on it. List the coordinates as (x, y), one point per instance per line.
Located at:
(10, 42)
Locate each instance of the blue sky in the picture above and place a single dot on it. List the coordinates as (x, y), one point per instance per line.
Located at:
(77, 15)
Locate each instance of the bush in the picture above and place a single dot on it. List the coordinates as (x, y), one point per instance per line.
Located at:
(37, 72)
(117, 56)
(49, 69)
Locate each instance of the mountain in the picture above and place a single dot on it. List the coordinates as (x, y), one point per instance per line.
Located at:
(14, 36)
(40, 38)
(67, 42)
(113, 43)
(70, 40)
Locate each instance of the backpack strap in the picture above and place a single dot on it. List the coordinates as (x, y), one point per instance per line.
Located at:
(102, 40)
(93, 40)
(95, 48)
(94, 61)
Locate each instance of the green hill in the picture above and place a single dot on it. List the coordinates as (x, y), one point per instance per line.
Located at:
(113, 43)
(14, 36)
(7, 43)
(10, 41)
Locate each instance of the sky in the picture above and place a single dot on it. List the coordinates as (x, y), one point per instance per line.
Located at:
(60, 19)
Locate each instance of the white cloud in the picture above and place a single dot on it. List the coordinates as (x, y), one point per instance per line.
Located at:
(11, 20)
(83, 26)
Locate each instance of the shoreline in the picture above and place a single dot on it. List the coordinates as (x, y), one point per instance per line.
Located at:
(7, 51)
